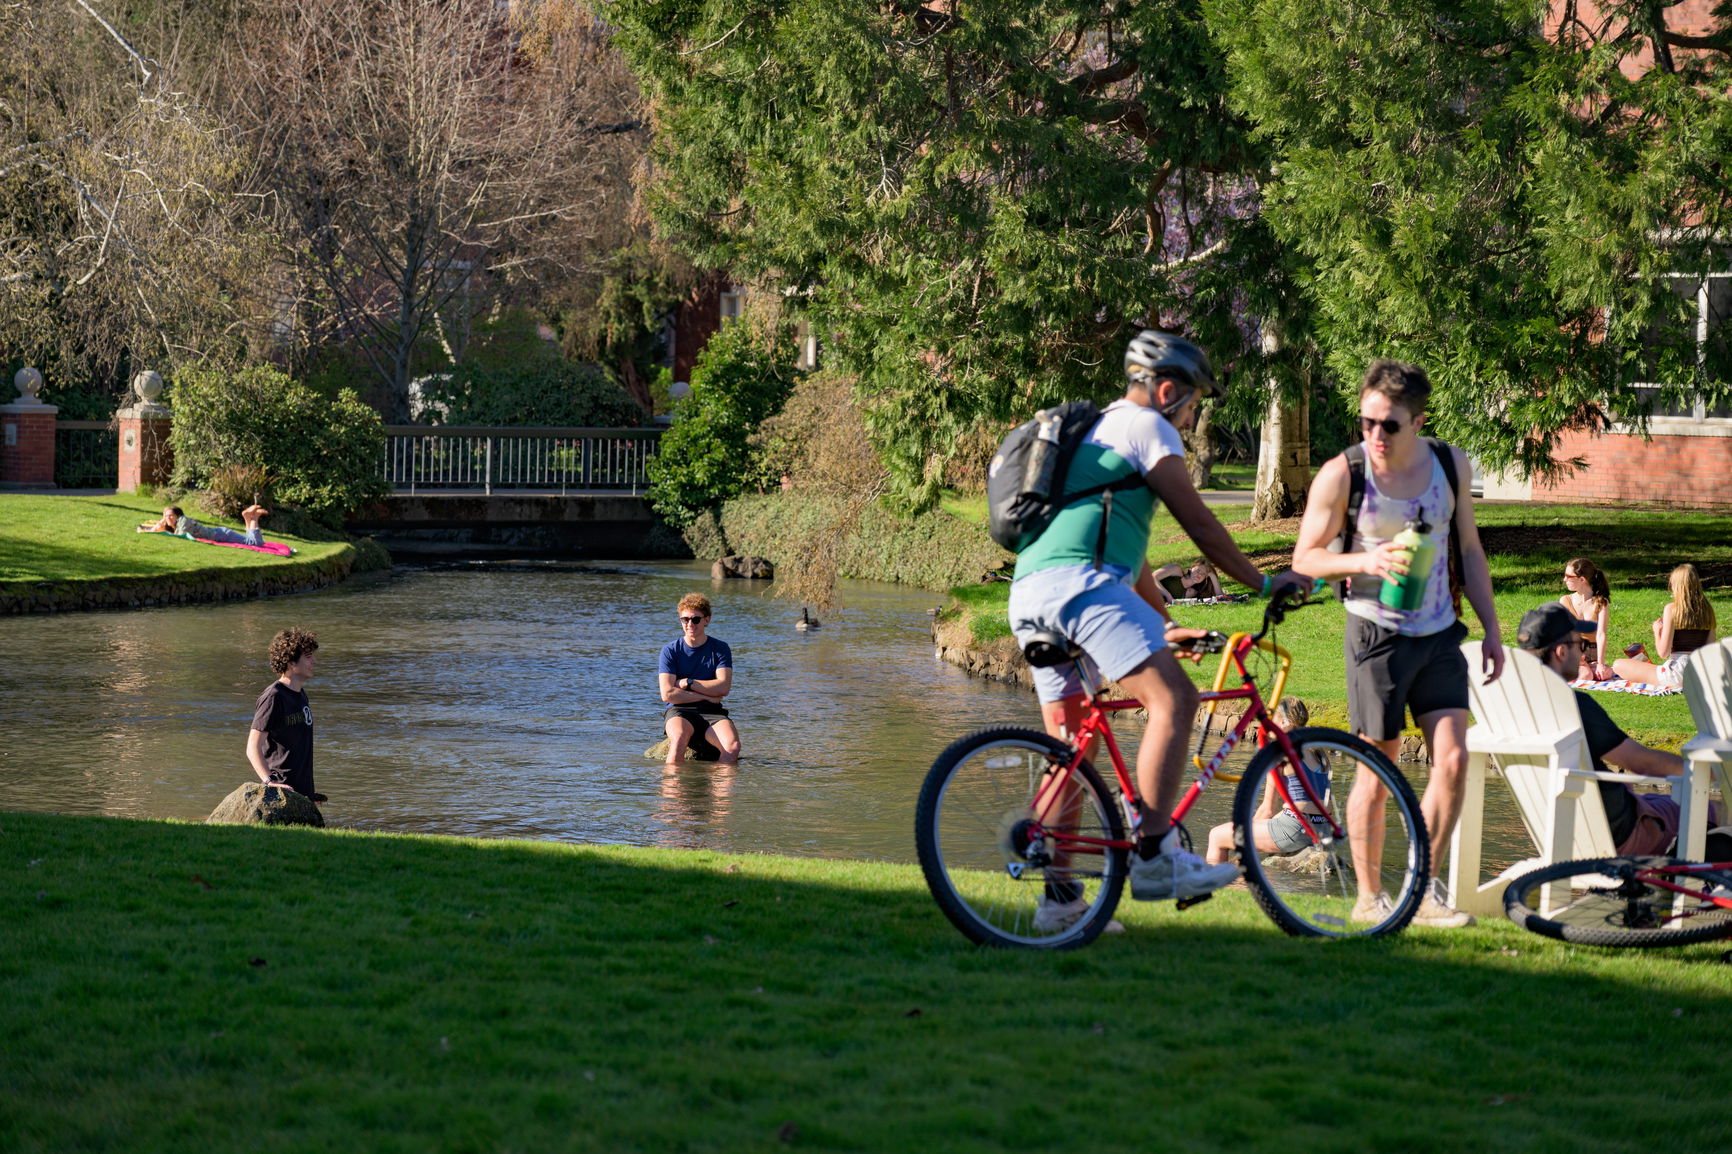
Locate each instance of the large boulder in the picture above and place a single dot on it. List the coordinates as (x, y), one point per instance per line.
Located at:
(257, 804)
(754, 568)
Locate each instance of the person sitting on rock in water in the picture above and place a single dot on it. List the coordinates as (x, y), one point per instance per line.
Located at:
(280, 743)
(696, 672)
(176, 522)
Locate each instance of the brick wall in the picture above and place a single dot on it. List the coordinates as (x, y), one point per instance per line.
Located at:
(1672, 470)
(29, 459)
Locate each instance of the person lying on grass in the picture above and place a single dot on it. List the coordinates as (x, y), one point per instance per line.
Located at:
(178, 523)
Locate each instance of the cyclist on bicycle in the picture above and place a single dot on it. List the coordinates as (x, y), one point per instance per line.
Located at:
(1092, 584)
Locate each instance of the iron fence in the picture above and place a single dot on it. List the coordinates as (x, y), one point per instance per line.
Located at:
(86, 455)
(463, 457)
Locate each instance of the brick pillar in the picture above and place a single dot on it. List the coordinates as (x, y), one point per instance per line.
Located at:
(146, 457)
(27, 437)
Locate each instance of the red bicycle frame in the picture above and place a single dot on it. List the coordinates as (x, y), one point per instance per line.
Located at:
(1095, 725)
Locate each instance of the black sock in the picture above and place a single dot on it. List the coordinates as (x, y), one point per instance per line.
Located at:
(1150, 847)
(1063, 892)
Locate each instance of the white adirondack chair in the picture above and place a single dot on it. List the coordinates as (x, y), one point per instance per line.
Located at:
(1708, 688)
(1527, 722)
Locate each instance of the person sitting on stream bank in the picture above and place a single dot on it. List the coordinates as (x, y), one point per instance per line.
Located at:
(696, 672)
(280, 743)
(178, 523)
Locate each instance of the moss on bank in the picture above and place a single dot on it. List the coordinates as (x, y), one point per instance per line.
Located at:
(934, 551)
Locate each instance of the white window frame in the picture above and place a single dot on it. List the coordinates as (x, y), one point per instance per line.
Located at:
(1698, 422)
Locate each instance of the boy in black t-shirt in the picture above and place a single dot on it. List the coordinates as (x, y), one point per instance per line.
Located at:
(280, 744)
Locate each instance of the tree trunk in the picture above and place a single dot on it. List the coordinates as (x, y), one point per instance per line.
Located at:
(1283, 458)
(1200, 448)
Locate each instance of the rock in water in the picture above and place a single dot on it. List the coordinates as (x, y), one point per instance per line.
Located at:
(257, 804)
(699, 749)
(747, 566)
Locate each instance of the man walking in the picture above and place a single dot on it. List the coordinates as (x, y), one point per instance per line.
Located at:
(1403, 653)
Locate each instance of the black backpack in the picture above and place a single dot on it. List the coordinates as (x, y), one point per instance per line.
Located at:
(1355, 455)
(1025, 482)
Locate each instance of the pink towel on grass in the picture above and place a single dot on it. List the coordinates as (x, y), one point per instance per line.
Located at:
(267, 547)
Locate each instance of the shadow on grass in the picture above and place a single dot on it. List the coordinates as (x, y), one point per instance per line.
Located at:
(176, 987)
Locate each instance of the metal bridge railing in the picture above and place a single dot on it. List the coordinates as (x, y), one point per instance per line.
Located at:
(563, 459)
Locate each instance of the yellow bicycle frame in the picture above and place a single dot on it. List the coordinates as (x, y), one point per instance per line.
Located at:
(1272, 701)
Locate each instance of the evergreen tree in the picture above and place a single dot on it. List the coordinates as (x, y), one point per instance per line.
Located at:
(978, 204)
(1513, 203)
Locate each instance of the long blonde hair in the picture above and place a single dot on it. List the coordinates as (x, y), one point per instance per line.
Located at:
(1690, 608)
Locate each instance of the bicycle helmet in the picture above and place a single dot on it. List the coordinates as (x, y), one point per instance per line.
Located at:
(1152, 352)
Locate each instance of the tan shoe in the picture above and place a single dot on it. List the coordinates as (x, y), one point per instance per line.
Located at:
(1371, 909)
(1436, 912)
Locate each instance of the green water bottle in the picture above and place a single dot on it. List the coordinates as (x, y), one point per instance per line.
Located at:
(1408, 593)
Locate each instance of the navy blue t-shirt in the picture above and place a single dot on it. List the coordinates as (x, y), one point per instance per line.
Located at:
(701, 663)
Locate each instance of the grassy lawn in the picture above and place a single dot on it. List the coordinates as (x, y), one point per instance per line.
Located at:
(51, 538)
(1527, 546)
(175, 987)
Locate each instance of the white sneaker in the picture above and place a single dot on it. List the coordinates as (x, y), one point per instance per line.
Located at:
(1052, 917)
(1436, 912)
(1176, 873)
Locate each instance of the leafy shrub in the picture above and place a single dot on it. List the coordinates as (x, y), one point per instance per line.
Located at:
(547, 393)
(741, 378)
(323, 455)
(234, 487)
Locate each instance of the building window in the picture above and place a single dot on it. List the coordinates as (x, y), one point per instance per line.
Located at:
(733, 303)
(1712, 298)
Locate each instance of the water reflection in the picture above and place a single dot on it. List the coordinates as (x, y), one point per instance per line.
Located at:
(499, 701)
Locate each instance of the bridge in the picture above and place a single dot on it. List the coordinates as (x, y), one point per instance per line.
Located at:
(465, 491)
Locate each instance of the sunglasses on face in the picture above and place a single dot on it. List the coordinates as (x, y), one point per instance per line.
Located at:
(1390, 426)
(690, 620)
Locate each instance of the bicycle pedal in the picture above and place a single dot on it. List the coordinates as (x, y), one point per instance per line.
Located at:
(1187, 903)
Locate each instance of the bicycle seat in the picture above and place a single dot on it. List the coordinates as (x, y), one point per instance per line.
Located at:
(1046, 649)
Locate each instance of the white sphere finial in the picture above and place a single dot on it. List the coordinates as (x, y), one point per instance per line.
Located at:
(148, 386)
(29, 383)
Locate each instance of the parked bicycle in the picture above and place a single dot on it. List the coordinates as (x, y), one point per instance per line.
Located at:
(1008, 815)
(1624, 901)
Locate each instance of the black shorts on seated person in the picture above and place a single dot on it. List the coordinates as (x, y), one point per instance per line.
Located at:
(699, 718)
(1389, 673)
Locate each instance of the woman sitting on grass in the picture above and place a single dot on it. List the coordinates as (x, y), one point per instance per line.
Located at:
(176, 522)
(1685, 625)
(1589, 599)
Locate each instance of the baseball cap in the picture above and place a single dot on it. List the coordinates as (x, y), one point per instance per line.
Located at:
(1548, 625)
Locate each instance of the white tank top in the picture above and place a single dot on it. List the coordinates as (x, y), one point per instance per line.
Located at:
(1381, 517)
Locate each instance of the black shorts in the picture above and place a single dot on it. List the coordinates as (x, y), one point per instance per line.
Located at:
(699, 718)
(1389, 674)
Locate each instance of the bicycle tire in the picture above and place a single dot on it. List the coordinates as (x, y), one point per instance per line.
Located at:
(1312, 893)
(1637, 915)
(967, 831)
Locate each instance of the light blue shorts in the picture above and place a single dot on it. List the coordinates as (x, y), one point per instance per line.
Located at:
(1099, 610)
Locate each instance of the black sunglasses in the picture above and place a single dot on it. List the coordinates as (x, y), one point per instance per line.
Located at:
(1390, 426)
(691, 620)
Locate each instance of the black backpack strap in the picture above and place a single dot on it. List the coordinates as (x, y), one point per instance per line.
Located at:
(1130, 481)
(1355, 454)
(1446, 459)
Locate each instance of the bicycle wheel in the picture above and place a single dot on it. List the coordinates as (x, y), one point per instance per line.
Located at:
(1614, 902)
(989, 866)
(1311, 891)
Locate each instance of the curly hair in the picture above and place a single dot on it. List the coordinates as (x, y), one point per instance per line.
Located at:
(290, 646)
(697, 603)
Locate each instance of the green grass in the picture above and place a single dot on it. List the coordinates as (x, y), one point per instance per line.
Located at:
(177, 988)
(52, 538)
(1527, 546)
